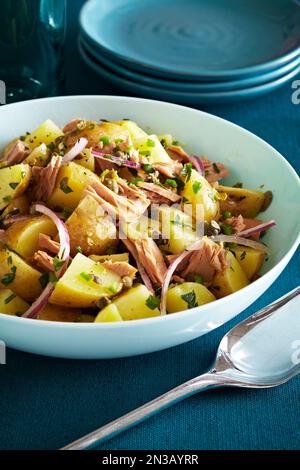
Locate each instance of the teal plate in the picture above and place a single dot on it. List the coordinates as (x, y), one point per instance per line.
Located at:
(195, 39)
(179, 96)
(156, 82)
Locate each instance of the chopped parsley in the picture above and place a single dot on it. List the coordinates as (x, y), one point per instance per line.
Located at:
(23, 174)
(243, 255)
(9, 277)
(145, 153)
(153, 302)
(9, 260)
(86, 276)
(226, 215)
(190, 299)
(198, 278)
(66, 213)
(51, 146)
(187, 171)
(150, 143)
(227, 229)
(78, 249)
(105, 139)
(7, 199)
(171, 182)
(52, 277)
(136, 181)
(64, 186)
(216, 168)
(44, 279)
(10, 298)
(238, 185)
(185, 200)
(148, 168)
(57, 263)
(196, 186)
(13, 185)
(114, 288)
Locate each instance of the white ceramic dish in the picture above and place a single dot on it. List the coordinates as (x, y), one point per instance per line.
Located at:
(250, 159)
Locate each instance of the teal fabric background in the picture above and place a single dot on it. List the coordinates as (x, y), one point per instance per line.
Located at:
(46, 403)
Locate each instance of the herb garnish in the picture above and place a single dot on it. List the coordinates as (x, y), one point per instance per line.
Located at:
(190, 299)
(196, 186)
(187, 171)
(64, 186)
(152, 302)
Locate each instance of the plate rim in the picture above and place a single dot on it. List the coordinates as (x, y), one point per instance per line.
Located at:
(249, 70)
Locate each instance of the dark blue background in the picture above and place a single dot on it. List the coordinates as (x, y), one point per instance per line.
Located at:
(45, 403)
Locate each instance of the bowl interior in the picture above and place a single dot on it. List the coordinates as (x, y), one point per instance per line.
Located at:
(250, 160)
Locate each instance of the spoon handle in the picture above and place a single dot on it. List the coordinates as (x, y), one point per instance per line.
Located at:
(129, 420)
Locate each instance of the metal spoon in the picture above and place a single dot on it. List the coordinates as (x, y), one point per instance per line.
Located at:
(262, 351)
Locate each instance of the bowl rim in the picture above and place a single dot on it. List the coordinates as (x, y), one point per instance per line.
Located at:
(182, 313)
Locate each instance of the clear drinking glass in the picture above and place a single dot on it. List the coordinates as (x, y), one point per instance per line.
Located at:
(32, 34)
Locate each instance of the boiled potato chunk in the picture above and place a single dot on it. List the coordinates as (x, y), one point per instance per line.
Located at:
(134, 130)
(12, 304)
(18, 206)
(113, 258)
(23, 236)
(250, 260)
(84, 283)
(150, 147)
(242, 201)
(64, 314)
(14, 180)
(231, 279)
(38, 157)
(71, 181)
(177, 229)
(99, 231)
(187, 295)
(132, 305)
(203, 197)
(46, 133)
(109, 314)
(19, 276)
(86, 159)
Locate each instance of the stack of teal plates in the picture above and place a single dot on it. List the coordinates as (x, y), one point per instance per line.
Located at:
(192, 51)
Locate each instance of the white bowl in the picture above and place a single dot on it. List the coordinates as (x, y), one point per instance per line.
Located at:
(250, 160)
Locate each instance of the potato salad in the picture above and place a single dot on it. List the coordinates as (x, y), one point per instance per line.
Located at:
(105, 222)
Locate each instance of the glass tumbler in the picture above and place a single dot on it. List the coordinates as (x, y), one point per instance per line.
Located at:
(32, 35)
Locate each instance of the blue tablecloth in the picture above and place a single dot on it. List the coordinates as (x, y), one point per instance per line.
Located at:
(45, 403)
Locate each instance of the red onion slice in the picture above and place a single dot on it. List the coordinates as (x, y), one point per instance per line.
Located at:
(117, 160)
(63, 254)
(40, 302)
(197, 164)
(241, 241)
(75, 150)
(257, 229)
(64, 239)
(170, 271)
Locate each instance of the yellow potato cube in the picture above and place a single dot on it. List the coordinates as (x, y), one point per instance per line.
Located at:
(38, 157)
(134, 130)
(84, 283)
(187, 295)
(109, 314)
(23, 236)
(132, 305)
(46, 133)
(99, 231)
(231, 279)
(86, 159)
(12, 304)
(151, 147)
(64, 314)
(18, 206)
(250, 260)
(242, 201)
(14, 180)
(113, 258)
(19, 276)
(203, 197)
(71, 181)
